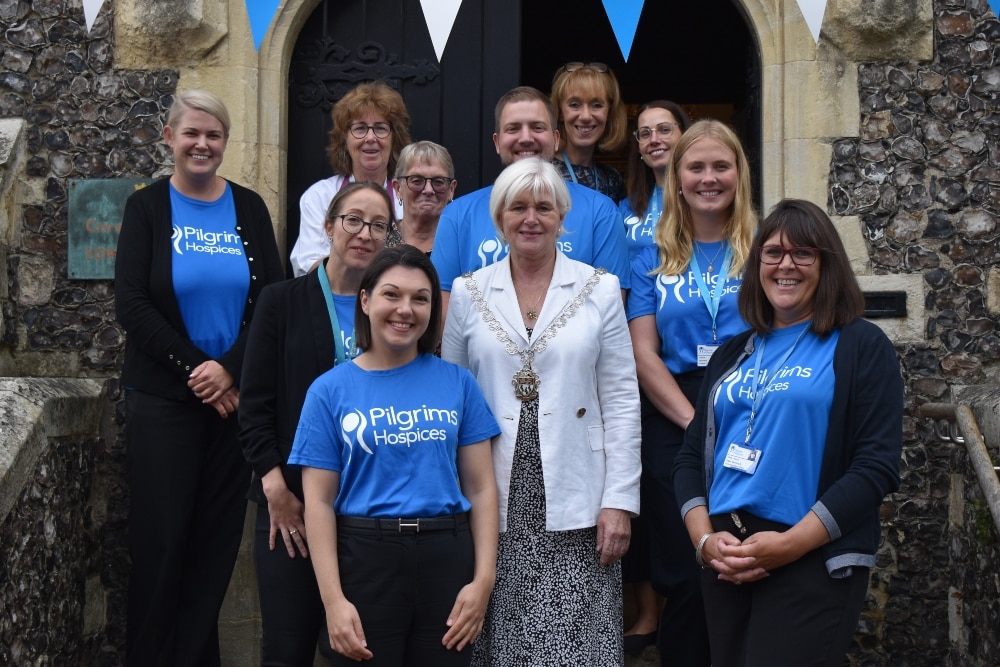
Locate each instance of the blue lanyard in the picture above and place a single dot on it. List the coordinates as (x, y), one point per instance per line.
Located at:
(572, 174)
(339, 354)
(712, 298)
(758, 393)
(655, 204)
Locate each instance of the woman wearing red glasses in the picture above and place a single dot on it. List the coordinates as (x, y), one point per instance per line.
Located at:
(370, 127)
(592, 119)
(795, 441)
(424, 184)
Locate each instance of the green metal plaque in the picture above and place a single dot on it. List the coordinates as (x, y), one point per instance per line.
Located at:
(95, 218)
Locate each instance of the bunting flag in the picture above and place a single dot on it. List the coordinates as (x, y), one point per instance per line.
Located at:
(624, 17)
(439, 15)
(91, 8)
(261, 14)
(995, 6)
(812, 11)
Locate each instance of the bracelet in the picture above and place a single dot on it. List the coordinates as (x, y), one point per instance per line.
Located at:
(701, 545)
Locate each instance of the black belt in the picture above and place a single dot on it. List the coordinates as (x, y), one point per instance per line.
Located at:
(421, 525)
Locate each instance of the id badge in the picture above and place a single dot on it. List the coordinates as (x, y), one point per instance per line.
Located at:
(742, 458)
(705, 353)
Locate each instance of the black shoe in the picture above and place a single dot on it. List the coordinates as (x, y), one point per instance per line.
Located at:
(635, 644)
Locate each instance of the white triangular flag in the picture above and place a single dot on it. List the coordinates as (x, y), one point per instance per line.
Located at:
(91, 8)
(812, 11)
(439, 15)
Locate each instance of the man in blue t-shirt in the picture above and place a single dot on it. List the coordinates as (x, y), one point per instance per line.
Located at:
(466, 238)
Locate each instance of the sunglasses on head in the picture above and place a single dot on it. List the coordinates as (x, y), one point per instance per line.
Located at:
(600, 68)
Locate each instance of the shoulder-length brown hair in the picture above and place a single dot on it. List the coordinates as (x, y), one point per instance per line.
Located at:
(838, 300)
(370, 96)
(639, 178)
(411, 258)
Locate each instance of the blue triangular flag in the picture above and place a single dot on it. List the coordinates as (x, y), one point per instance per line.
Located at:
(995, 6)
(261, 14)
(624, 17)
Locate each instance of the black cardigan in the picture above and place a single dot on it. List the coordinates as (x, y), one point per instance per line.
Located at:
(159, 355)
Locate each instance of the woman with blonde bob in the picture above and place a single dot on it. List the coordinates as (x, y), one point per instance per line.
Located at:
(682, 307)
(547, 340)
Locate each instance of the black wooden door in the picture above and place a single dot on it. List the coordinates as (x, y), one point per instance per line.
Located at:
(451, 102)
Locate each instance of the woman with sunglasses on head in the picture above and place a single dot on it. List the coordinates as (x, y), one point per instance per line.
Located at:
(425, 183)
(370, 127)
(400, 498)
(592, 118)
(659, 125)
(682, 306)
(794, 444)
(303, 327)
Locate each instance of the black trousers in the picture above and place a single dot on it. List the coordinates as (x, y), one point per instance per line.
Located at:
(187, 485)
(404, 586)
(798, 615)
(683, 634)
(291, 609)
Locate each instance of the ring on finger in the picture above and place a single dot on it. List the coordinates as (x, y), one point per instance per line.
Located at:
(292, 531)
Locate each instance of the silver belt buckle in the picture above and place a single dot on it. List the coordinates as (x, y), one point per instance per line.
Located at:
(409, 523)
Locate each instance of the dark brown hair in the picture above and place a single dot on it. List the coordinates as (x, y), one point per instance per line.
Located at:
(838, 300)
(375, 96)
(639, 179)
(412, 258)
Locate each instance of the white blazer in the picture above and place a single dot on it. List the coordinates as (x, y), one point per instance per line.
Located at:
(588, 421)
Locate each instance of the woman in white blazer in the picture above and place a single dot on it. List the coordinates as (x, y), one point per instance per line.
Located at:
(547, 339)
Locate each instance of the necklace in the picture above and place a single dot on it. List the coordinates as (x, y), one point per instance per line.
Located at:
(711, 262)
(533, 311)
(526, 380)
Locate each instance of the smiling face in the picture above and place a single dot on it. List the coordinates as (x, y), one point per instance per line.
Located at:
(525, 131)
(584, 114)
(198, 141)
(789, 288)
(708, 179)
(531, 225)
(369, 155)
(426, 203)
(399, 309)
(354, 252)
(656, 152)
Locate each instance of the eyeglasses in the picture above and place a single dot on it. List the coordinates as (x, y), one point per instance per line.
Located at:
(600, 68)
(644, 134)
(360, 130)
(353, 224)
(774, 254)
(438, 183)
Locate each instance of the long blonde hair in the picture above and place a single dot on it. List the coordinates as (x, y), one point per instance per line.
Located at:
(675, 230)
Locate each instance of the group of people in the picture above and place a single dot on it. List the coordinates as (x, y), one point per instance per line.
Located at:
(449, 417)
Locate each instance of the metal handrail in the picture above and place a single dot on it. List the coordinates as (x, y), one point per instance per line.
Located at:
(968, 433)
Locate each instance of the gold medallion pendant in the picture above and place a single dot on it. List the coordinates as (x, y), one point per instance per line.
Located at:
(526, 383)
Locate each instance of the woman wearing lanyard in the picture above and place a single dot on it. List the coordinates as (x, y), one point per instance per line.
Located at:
(303, 327)
(592, 118)
(659, 125)
(401, 502)
(795, 442)
(370, 127)
(681, 308)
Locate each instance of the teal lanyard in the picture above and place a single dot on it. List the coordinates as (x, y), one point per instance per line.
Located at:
(572, 174)
(712, 298)
(758, 393)
(339, 353)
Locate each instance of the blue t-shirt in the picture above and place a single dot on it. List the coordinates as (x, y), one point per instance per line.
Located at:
(395, 448)
(640, 231)
(682, 317)
(210, 273)
(467, 240)
(344, 304)
(789, 430)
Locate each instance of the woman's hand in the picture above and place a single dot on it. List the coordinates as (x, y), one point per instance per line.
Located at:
(286, 512)
(614, 531)
(465, 621)
(227, 403)
(768, 550)
(209, 381)
(347, 637)
(727, 556)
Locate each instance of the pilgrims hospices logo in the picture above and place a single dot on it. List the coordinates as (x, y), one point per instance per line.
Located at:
(193, 239)
(352, 428)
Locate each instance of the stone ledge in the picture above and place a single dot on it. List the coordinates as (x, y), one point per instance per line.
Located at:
(900, 330)
(32, 410)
